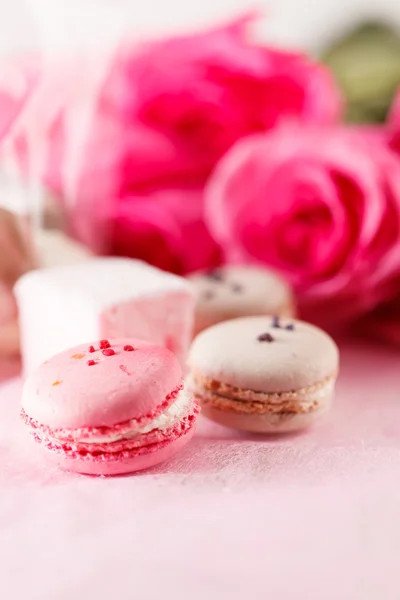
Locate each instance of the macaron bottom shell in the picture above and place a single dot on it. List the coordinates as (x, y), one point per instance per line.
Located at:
(267, 423)
(120, 463)
(306, 406)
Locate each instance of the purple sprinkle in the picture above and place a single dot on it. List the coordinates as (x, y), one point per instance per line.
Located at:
(215, 275)
(208, 295)
(275, 321)
(237, 288)
(265, 337)
(290, 327)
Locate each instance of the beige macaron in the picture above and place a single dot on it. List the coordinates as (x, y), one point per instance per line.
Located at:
(235, 291)
(264, 374)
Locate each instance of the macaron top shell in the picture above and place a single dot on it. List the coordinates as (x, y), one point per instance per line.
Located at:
(66, 392)
(241, 290)
(253, 354)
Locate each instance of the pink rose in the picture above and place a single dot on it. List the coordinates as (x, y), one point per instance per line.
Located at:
(167, 112)
(180, 103)
(205, 91)
(384, 322)
(321, 205)
(166, 229)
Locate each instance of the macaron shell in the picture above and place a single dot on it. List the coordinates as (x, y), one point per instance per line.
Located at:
(240, 291)
(268, 422)
(148, 457)
(67, 393)
(231, 352)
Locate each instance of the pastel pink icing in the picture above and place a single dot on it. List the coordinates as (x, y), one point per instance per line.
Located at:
(65, 392)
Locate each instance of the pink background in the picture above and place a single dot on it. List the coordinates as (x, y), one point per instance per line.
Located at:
(315, 516)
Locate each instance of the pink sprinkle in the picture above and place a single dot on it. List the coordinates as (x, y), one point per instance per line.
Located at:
(128, 348)
(91, 363)
(91, 349)
(108, 352)
(104, 344)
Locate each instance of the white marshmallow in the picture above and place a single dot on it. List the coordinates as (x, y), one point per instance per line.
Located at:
(63, 306)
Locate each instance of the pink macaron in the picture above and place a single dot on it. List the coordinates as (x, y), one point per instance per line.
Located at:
(109, 407)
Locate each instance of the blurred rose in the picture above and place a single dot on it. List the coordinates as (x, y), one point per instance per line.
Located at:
(116, 158)
(166, 229)
(384, 322)
(168, 111)
(205, 91)
(320, 204)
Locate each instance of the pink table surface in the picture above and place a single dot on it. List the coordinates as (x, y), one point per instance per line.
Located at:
(312, 516)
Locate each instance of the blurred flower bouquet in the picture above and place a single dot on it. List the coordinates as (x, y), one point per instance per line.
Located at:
(211, 148)
(165, 116)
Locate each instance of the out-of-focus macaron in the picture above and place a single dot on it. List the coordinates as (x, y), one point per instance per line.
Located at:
(9, 332)
(235, 291)
(109, 407)
(263, 374)
(10, 360)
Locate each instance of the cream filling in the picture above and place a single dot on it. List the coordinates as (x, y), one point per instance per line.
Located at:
(173, 415)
